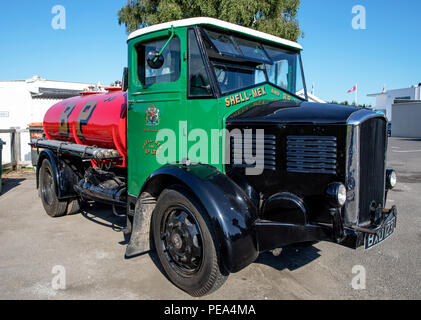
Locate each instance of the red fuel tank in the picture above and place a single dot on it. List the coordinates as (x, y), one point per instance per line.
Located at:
(93, 119)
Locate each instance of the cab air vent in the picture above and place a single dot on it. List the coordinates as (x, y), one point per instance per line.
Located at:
(311, 154)
(244, 149)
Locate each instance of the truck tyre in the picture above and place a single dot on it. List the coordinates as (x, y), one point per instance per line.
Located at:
(52, 205)
(184, 244)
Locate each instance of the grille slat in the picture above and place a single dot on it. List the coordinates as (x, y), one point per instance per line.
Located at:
(312, 160)
(267, 167)
(313, 143)
(319, 171)
(252, 147)
(312, 154)
(316, 155)
(265, 141)
(312, 166)
(270, 154)
(312, 138)
(294, 148)
(265, 157)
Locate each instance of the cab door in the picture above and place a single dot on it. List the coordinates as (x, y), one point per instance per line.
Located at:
(204, 116)
(156, 101)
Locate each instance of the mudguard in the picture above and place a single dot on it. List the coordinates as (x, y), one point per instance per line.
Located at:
(64, 178)
(229, 209)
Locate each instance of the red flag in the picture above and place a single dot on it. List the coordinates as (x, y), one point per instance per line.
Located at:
(384, 89)
(354, 88)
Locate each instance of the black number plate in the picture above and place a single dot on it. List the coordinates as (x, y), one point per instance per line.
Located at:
(382, 234)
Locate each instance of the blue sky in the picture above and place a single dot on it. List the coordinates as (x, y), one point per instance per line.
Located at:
(336, 57)
(92, 48)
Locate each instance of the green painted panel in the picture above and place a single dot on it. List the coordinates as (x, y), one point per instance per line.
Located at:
(161, 106)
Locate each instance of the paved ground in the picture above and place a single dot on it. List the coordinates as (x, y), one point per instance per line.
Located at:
(91, 249)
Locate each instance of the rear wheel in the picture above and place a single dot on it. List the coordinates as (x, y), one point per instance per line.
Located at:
(184, 244)
(52, 205)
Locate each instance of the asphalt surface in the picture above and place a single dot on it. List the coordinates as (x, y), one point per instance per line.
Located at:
(91, 249)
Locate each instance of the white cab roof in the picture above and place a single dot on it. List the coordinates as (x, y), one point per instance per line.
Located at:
(216, 23)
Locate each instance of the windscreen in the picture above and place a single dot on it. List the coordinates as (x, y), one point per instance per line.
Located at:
(241, 63)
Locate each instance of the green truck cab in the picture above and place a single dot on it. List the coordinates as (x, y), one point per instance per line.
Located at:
(227, 158)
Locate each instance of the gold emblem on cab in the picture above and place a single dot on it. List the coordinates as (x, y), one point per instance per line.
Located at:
(244, 96)
(151, 147)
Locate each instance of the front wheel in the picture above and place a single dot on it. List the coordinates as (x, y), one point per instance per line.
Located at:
(184, 243)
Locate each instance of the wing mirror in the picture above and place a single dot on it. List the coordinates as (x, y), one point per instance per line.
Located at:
(154, 59)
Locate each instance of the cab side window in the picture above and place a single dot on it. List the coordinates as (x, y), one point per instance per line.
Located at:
(170, 70)
(199, 85)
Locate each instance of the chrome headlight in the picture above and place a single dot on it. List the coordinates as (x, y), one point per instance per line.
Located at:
(336, 194)
(391, 179)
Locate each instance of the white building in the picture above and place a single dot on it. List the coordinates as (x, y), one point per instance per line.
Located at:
(25, 101)
(406, 119)
(311, 97)
(384, 101)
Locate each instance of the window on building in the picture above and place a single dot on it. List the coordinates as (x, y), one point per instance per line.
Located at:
(170, 70)
(199, 85)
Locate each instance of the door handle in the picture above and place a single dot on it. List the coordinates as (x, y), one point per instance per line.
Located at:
(129, 104)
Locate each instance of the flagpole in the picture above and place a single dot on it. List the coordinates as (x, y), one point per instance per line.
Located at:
(356, 95)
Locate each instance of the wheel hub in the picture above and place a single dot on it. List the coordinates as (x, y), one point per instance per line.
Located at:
(177, 241)
(182, 240)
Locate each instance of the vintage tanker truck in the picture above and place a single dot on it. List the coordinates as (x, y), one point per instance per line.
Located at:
(215, 155)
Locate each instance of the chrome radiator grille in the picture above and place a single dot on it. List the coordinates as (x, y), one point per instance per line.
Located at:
(373, 144)
(312, 154)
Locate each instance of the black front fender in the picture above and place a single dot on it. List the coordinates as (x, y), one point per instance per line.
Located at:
(229, 209)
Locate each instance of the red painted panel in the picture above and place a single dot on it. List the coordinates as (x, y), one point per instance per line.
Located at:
(95, 120)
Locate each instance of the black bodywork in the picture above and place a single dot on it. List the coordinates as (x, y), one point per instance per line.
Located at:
(294, 119)
(309, 146)
(288, 202)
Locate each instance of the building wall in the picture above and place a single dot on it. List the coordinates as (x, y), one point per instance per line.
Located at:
(384, 101)
(18, 108)
(406, 120)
